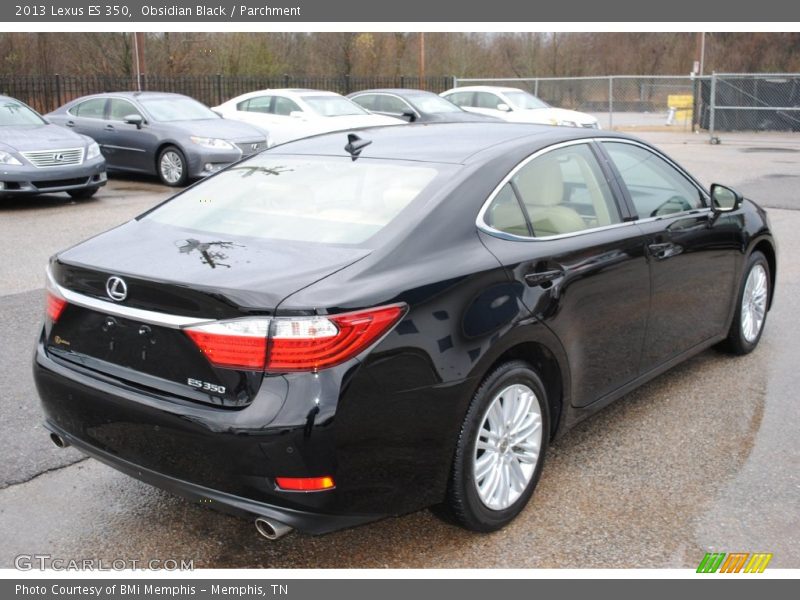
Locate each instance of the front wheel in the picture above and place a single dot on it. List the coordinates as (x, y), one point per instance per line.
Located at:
(751, 309)
(172, 168)
(500, 449)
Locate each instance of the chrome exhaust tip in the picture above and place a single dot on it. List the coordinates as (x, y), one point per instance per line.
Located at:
(272, 530)
(58, 440)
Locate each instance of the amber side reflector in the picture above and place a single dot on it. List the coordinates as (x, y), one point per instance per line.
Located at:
(305, 484)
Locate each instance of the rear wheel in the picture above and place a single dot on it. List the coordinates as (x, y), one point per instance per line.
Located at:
(500, 449)
(83, 194)
(172, 168)
(751, 311)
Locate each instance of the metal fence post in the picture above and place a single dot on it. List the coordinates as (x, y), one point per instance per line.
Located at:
(536, 87)
(286, 80)
(712, 106)
(455, 81)
(610, 102)
(219, 88)
(58, 90)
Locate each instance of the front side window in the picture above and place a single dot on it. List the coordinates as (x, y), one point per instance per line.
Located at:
(309, 199)
(285, 106)
(333, 106)
(487, 100)
(176, 108)
(90, 109)
(120, 109)
(462, 98)
(368, 101)
(525, 101)
(393, 104)
(655, 186)
(564, 191)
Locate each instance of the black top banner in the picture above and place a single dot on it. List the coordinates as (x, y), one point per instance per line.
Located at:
(360, 11)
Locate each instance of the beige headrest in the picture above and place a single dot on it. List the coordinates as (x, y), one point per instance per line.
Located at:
(540, 182)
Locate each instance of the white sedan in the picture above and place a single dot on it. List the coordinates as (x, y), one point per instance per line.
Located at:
(289, 114)
(515, 105)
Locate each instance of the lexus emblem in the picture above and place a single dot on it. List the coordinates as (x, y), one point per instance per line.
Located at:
(58, 157)
(116, 288)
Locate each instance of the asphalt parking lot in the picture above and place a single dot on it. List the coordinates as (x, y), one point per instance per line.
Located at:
(704, 458)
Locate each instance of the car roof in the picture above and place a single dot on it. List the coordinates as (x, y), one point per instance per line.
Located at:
(484, 88)
(397, 91)
(441, 142)
(132, 95)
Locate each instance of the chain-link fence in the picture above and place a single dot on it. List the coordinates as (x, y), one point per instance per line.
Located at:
(752, 102)
(627, 102)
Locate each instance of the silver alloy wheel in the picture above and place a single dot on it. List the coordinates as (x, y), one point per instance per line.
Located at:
(507, 446)
(754, 303)
(171, 166)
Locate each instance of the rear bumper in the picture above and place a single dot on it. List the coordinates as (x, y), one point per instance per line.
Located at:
(221, 458)
(308, 522)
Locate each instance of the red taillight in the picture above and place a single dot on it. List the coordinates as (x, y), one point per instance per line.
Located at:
(305, 484)
(55, 306)
(294, 346)
(240, 344)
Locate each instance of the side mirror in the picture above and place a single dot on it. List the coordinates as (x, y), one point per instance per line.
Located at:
(504, 107)
(724, 199)
(134, 120)
(409, 115)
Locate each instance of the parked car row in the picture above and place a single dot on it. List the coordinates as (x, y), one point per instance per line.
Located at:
(178, 138)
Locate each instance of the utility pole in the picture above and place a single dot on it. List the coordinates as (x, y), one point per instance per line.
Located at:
(138, 58)
(422, 60)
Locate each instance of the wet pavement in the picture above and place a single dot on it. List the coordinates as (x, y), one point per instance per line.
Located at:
(705, 457)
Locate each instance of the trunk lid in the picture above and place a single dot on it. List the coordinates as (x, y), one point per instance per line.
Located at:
(184, 276)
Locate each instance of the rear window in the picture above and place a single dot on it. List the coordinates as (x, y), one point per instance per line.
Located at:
(306, 199)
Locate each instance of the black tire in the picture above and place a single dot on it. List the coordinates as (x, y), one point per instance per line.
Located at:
(177, 157)
(463, 503)
(737, 342)
(83, 194)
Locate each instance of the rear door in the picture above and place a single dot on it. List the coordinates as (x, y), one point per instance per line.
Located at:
(557, 226)
(693, 260)
(88, 118)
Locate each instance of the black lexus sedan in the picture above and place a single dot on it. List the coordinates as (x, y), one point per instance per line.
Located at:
(416, 106)
(359, 325)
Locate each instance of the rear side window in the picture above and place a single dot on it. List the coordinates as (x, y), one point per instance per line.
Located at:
(505, 213)
(656, 187)
(90, 109)
(565, 191)
(309, 199)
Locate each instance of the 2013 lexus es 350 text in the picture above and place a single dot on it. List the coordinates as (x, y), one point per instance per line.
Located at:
(352, 326)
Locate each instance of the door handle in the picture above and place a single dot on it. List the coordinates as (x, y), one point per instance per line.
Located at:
(70, 123)
(109, 128)
(663, 250)
(543, 278)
